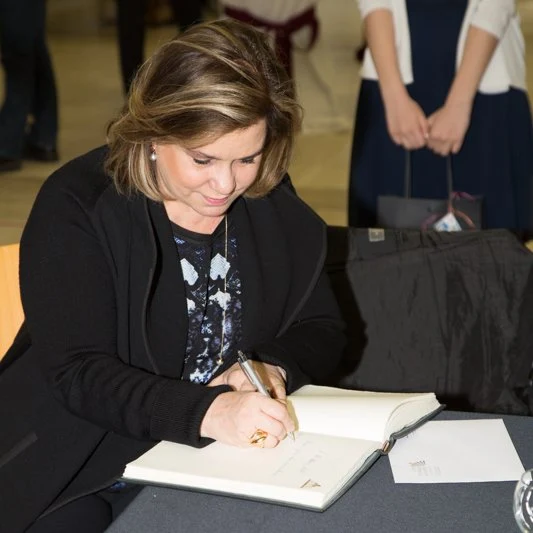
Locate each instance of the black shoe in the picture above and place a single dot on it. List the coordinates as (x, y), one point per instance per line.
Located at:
(37, 153)
(7, 165)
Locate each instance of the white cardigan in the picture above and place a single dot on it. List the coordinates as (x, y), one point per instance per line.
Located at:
(499, 17)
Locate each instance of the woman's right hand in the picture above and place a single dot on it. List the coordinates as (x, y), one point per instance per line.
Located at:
(234, 417)
(406, 122)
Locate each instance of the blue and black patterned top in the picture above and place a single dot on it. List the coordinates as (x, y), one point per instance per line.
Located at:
(204, 268)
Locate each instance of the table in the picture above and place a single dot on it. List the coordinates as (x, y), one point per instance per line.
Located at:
(374, 503)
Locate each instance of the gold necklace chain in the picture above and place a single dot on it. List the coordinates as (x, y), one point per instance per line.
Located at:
(220, 359)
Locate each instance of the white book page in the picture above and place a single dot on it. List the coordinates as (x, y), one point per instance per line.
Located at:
(357, 414)
(307, 471)
(456, 451)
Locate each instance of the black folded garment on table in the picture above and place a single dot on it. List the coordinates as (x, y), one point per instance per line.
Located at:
(436, 311)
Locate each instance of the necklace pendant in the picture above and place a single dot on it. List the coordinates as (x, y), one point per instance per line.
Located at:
(219, 361)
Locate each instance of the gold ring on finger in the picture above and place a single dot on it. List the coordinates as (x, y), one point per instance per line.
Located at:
(258, 438)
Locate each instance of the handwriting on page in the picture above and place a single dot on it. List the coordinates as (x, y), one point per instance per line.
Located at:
(420, 468)
(303, 465)
(310, 484)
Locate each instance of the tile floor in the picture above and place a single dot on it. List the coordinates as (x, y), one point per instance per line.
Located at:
(90, 93)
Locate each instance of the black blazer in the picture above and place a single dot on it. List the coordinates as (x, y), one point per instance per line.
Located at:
(93, 378)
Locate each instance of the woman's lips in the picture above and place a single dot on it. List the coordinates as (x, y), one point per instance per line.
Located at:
(216, 201)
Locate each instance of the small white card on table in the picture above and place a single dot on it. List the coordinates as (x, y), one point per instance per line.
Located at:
(456, 451)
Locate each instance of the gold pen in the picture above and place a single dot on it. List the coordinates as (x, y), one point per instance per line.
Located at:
(254, 378)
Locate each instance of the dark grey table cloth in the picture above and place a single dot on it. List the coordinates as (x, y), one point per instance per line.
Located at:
(375, 503)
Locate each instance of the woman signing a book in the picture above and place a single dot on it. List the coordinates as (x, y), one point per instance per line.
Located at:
(145, 266)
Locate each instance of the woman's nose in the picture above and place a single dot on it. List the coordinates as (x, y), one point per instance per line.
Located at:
(223, 181)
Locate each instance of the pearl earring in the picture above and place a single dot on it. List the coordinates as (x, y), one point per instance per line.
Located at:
(153, 155)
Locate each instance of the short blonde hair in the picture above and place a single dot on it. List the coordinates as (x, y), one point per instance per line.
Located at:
(215, 78)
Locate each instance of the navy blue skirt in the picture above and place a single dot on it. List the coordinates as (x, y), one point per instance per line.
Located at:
(496, 159)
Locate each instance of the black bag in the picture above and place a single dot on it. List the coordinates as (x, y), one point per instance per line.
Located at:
(405, 212)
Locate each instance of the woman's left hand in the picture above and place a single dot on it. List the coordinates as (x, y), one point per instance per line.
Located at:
(273, 377)
(447, 128)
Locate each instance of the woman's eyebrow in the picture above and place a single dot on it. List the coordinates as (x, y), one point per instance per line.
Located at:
(198, 153)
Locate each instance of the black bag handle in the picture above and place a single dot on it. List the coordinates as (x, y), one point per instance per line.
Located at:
(449, 179)
(408, 178)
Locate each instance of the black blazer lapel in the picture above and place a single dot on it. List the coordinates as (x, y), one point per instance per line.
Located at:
(251, 274)
(263, 260)
(283, 251)
(165, 304)
(306, 242)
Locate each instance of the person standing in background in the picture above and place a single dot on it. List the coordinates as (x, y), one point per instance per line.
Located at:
(30, 89)
(444, 77)
(131, 29)
(289, 23)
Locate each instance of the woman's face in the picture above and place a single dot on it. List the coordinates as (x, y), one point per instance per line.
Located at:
(204, 181)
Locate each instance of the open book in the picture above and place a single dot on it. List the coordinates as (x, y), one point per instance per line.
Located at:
(340, 433)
